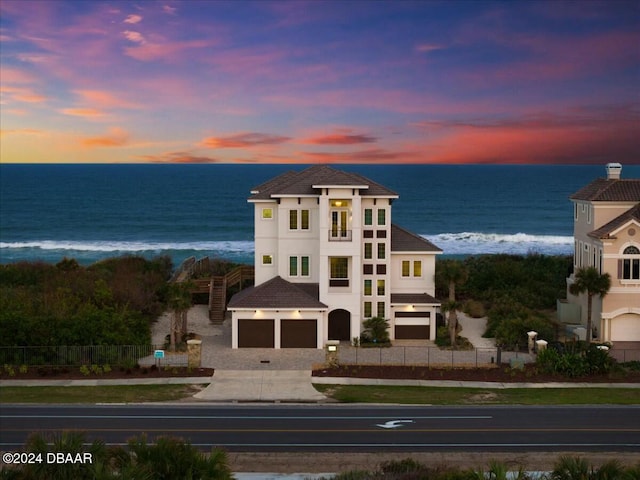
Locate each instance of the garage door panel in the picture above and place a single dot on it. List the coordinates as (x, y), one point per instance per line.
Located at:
(256, 333)
(412, 332)
(298, 334)
(625, 328)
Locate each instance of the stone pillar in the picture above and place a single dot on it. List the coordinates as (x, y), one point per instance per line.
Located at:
(194, 353)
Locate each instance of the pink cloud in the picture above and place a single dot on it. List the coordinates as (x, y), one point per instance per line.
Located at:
(22, 94)
(116, 137)
(166, 50)
(133, 19)
(104, 99)
(177, 157)
(340, 139)
(612, 136)
(243, 140)
(83, 112)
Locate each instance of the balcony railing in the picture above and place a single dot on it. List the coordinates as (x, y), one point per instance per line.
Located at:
(339, 235)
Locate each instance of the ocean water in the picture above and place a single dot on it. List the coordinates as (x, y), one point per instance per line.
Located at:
(90, 212)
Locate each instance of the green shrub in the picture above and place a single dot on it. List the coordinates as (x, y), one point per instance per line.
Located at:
(84, 370)
(577, 360)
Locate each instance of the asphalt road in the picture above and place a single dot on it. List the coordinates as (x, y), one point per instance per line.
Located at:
(244, 428)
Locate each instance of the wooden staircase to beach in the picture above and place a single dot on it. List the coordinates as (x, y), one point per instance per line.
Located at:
(218, 286)
(215, 286)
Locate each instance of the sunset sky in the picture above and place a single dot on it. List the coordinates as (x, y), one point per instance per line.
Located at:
(320, 81)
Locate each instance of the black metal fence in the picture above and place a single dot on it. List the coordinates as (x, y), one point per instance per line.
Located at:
(114, 355)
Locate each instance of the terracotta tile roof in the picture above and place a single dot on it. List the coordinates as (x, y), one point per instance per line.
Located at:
(278, 293)
(606, 229)
(610, 190)
(404, 241)
(411, 298)
(303, 182)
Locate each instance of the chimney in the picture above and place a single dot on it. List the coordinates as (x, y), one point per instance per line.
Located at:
(613, 171)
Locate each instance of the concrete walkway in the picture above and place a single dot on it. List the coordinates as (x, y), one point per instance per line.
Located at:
(261, 386)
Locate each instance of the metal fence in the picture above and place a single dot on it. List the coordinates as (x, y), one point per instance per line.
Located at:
(428, 356)
(436, 357)
(114, 355)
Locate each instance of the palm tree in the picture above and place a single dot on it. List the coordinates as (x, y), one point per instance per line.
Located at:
(592, 282)
(179, 300)
(452, 320)
(452, 273)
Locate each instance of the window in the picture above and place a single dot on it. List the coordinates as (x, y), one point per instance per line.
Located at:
(382, 216)
(367, 287)
(339, 272)
(368, 250)
(293, 266)
(299, 219)
(267, 259)
(417, 268)
(381, 287)
(367, 309)
(267, 213)
(406, 267)
(381, 251)
(368, 216)
(629, 268)
(303, 262)
(381, 310)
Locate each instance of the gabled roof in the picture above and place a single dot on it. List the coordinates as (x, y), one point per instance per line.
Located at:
(278, 293)
(610, 190)
(606, 230)
(404, 241)
(310, 181)
(413, 298)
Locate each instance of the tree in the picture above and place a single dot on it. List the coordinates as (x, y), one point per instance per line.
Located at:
(179, 300)
(452, 307)
(588, 280)
(452, 273)
(376, 330)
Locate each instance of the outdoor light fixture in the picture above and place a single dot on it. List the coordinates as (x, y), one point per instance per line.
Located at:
(332, 348)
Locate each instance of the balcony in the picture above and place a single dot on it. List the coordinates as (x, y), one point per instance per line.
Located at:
(339, 235)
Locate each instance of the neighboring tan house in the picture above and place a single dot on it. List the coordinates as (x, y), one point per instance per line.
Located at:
(607, 236)
(328, 257)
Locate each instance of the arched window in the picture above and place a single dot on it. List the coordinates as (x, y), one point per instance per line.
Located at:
(629, 265)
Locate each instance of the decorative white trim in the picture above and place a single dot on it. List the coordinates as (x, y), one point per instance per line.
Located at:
(620, 311)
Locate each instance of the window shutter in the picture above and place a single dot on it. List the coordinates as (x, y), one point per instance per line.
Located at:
(620, 268)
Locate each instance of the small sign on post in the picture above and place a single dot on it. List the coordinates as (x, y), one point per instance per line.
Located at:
(158, 355)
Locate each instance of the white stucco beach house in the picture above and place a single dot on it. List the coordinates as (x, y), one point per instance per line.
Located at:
(327, 257)
(606, 215)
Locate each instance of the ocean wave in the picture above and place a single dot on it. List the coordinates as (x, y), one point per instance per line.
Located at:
(130, 246)
(463, 243)
(472, 243)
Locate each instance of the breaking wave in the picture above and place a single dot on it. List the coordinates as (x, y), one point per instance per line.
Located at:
(474, 243)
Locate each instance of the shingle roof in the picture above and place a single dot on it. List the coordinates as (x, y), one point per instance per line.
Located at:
(605, 230)
(610, 190)
(278, 293)
(303, 183)
(411, 298)
(404, 241)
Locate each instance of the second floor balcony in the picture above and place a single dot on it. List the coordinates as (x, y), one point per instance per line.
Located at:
(339, 235)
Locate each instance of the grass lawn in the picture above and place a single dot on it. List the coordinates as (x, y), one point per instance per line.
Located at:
(97, 394)
(480, 396)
